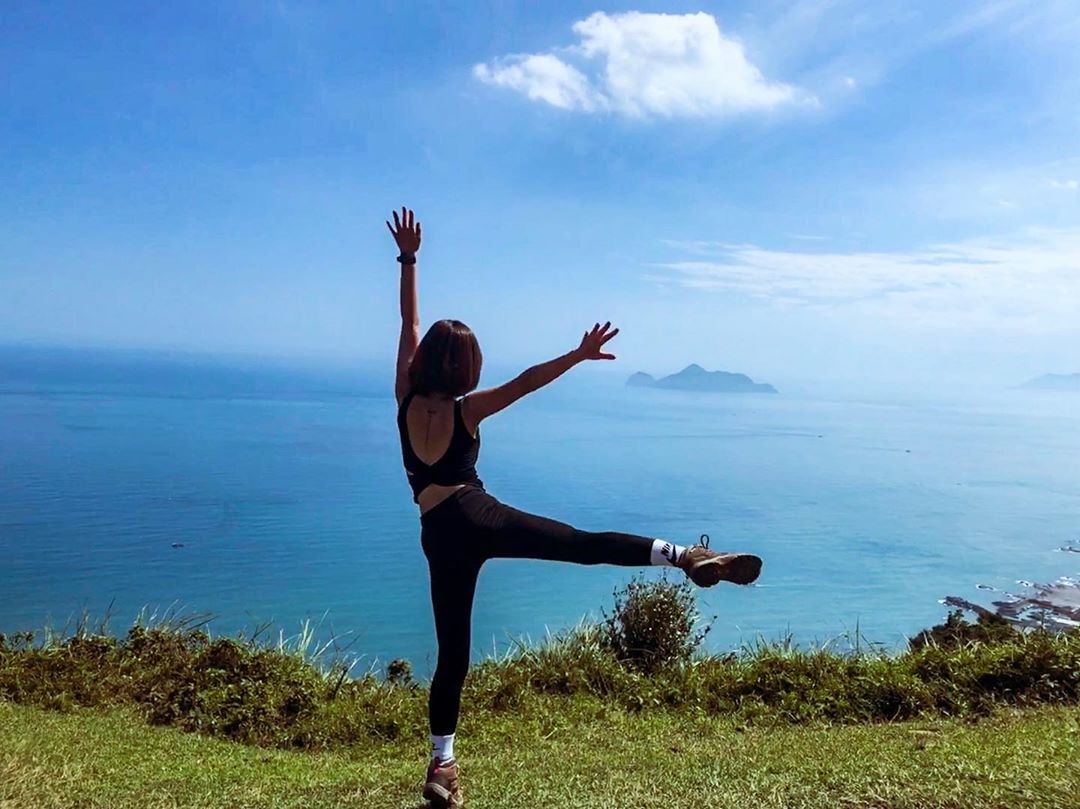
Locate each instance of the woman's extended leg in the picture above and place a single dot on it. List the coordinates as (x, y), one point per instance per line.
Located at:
(508, 532)
(514, 534)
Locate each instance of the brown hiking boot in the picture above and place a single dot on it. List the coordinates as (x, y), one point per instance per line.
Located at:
(441, 787)
(705, 567)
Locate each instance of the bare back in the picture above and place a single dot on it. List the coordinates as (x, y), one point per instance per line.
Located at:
(429, 425)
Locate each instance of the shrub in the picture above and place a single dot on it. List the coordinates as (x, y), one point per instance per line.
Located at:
(654, 624)
(640, 658)
(399, 672)
(232, 688)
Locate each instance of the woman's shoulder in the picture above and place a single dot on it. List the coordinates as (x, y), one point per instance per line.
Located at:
(472, 429)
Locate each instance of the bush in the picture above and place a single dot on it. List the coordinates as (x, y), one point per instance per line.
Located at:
(640, 658)
(231, 688)
(399, 672)
(654, 624)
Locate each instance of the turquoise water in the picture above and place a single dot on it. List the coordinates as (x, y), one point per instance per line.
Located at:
(287, 496)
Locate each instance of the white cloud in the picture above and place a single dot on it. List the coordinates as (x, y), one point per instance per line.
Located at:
(543, 77)
(1028, 283)
(1065, 185)
(644, 65)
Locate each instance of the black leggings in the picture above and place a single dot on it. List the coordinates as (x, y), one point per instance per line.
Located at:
(458, 536)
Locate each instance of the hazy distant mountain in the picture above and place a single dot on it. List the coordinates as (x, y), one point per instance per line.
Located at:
(641, 380)
(694, 377)
(1054, 382)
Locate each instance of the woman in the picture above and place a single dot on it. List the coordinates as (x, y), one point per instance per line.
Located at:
(462, 526)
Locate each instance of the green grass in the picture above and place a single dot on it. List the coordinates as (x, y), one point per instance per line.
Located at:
(556, 752)
(622, 714)
(274, 696)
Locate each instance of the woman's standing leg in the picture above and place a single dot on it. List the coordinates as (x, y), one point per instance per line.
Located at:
(453, 585)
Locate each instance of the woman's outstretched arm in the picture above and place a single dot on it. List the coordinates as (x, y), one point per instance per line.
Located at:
(479, 405)
(407, 236)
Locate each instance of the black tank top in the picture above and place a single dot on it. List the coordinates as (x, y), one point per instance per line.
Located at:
(457, 464)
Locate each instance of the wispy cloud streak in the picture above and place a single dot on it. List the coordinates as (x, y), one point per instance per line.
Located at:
(1030, 280)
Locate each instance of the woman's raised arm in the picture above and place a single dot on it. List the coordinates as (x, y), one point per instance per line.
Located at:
(479, 405)
(407, 236)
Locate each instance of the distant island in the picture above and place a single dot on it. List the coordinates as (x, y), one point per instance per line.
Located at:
(694, 377)
(1053, 382)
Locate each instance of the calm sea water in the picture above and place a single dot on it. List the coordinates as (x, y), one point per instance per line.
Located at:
(287, 495)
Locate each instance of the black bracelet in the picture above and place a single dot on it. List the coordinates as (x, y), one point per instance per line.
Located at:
(407, 258)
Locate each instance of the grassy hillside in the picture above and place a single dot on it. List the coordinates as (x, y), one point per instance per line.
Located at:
(566, 754)
(625, 713)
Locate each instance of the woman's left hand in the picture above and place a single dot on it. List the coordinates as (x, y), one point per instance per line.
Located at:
(592, 343)
(405, 232)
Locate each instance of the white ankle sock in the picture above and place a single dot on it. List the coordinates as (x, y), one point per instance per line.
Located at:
(664, 552)
(442, 747)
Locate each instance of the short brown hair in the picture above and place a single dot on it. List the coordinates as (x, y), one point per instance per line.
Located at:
(447, 360)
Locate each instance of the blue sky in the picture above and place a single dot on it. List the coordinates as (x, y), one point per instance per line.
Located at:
(838, 190)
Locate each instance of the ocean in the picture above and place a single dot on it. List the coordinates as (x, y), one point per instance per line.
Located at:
(265, 495)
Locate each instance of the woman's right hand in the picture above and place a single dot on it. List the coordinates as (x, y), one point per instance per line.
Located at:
(593, 342)
(405, 232)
